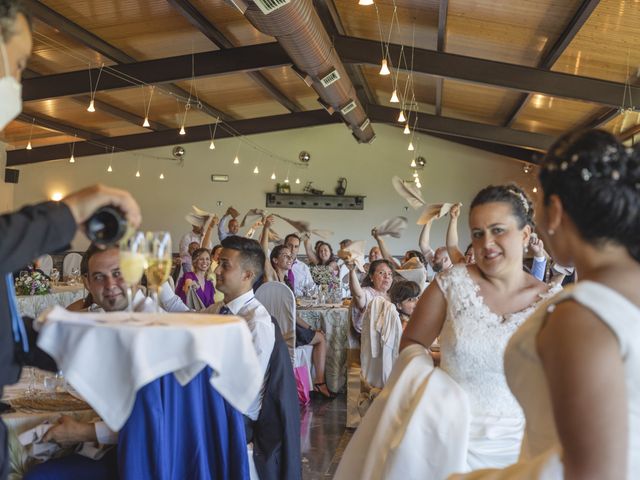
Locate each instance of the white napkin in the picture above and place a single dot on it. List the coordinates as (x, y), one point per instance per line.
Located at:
(408, 191)
(433, 211)
(392, 227)
(354, 252)
(305, 227)
(107, 357)
(254, 212)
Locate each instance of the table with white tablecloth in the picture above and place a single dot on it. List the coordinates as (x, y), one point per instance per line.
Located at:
(20, 419)
(63, 295)
(334, 322)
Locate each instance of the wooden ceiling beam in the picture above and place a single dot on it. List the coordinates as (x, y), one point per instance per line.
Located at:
(440, 47)
(200, 133)
(466, 129)
(489, 72)
(160, 71)
(79, 34)
(557, 49)
(58, 126)
(198, 20)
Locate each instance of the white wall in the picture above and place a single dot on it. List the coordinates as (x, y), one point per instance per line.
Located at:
(453, 173)
(6, 189)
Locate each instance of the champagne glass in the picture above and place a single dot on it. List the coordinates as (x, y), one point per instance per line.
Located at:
(55, 276)
(159, 258)
(133, 262)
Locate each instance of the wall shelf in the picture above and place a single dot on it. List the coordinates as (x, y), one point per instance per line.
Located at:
(305, 200)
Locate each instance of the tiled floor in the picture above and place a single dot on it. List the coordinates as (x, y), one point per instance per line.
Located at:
(324, 437)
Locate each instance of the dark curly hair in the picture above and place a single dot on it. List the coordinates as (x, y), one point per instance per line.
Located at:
(598, 182)
(512, 194)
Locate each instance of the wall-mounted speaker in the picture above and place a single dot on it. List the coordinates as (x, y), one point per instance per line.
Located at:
(11, 175)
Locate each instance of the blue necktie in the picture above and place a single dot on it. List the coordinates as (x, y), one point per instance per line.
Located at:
(19, 332)
(225, 311)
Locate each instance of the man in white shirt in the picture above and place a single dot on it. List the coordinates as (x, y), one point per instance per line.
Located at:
(229, 224)
(102, 278)
(240, 264)
(301, 273)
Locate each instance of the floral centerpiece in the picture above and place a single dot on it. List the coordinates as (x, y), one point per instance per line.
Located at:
(326, 278)
(33, 283)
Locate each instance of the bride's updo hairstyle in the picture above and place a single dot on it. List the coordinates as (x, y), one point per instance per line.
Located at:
(521, 205)
(598, 182)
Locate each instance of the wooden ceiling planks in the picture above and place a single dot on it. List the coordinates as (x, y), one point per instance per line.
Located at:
(605, 42)
(231, 22)
(553, 116)
(17, 134)
(236, 94)
(56, 52)
(144, 29)
(73, 113)
(477, 102)
(290, 84)
(512, 31)
(382, 88)
(362, 21)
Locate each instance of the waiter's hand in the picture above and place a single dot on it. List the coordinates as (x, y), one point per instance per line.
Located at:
(86, 201)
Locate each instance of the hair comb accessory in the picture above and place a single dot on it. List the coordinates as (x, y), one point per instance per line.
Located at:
(522, 198)
(585, 174)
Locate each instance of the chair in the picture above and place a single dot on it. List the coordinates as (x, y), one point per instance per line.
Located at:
(71, 261)
(46, 264)
(280, 302)
(380, 341)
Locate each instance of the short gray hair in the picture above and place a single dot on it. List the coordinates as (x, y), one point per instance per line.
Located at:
(9, 11)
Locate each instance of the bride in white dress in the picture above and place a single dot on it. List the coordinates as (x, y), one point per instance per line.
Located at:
(575, 364)
(430, 422)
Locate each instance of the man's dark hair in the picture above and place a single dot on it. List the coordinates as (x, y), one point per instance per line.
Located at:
(251, 254)
(403, 290)
(291, 235)
(9, 11)
(91, 251)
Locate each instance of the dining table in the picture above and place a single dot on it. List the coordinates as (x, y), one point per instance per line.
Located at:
(63, 295)
(334, 321)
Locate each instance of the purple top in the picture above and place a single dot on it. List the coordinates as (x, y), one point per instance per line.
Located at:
(206, 294)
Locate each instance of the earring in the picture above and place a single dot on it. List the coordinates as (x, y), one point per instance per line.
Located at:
(526, 249)
(551, 231)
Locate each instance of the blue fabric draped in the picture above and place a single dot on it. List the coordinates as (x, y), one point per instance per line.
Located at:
(177, 432)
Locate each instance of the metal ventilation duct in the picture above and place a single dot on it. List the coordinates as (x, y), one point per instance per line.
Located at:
(298, 28)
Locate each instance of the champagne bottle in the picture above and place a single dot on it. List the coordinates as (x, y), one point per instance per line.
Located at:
(106, 226)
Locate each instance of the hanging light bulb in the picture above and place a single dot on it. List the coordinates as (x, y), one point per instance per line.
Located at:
(146, 123)
(394, 97)
(91, 108)
(255, 170)
(406, 130)
(162, 176)
(415, 174)
(182, 130)
(109, 169)
(410, 147)
(212, 146)
(418, 184)
(29, 147)
(273, 176)
(286, 180)
(138, 173)
(413, 163)
(297, 181)
(535, 189)
(365, 2)
(236, 160)
(401, 117)
(384, 69)
(72, 159)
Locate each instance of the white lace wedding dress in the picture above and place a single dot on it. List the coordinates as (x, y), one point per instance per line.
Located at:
(430, 422)
(541, 453)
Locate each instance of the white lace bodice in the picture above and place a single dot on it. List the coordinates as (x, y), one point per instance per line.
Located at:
(472, 344)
